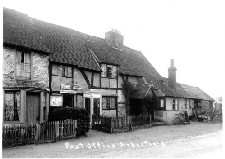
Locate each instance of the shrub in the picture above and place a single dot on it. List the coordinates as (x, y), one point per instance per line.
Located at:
(79, 114)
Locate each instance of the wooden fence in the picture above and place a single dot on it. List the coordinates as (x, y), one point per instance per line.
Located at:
(102, 123)
(111, 124)
(38, 133)
(18, 135)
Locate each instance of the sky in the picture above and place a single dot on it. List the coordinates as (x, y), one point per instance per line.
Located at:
(189, 31)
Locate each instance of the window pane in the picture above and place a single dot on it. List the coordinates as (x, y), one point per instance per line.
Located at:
(54, 69)
(18, 57)
(174, 104)
(22, 67)
(27, 68)
(177, 104)
(22, 73)
(80, 100)
(103, 67)
(18, 69)
(27, 58)
(103, 103)
(162, 103)
(109, 72)
(12, 106)
(69, 72)
(113, 103)
(64, 71)
(108, 103)
(114, 71)
(27, 74)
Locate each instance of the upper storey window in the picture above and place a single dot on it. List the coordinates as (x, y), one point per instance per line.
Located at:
(108, 71)
(61, 70)
(23, 65)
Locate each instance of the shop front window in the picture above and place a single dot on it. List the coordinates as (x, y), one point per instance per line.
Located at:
(108, 103)
(12, 106)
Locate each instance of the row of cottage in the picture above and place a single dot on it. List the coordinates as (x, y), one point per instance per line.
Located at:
(47, 66)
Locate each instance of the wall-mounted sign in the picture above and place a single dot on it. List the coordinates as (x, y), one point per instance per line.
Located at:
(113, 94)
(56, 101)
(68, 91)
(91, 94)
(65, 86)
(76, 87)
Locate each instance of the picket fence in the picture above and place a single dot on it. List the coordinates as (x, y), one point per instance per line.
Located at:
(119, 124)
(38, 133)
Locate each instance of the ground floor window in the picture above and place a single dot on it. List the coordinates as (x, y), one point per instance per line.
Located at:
(185, 105)
(68, 100)
(12, 106)
(78, 100)
(108, 103)
(175, 104)
(190, 104)
(56, 100)
(161, 103)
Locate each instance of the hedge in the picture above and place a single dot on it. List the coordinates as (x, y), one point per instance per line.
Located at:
(79, 114)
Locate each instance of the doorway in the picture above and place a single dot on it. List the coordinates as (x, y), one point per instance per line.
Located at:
(93, 107)
(96, 106)
(68, 100)
(88, 105)
(136, 106)
(33, 107)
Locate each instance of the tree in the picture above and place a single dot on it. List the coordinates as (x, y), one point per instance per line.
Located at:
(220, 99)
(127, 89)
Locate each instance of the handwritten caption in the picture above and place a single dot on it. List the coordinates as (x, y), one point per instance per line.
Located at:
(99, 145)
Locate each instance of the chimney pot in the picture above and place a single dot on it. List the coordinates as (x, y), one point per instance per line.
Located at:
(114, 38)
(171, 62)
(172, 75)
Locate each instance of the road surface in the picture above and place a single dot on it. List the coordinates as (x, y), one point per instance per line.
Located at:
(194, 140)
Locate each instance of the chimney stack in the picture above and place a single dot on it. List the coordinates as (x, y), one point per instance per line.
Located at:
(172, 75)
(114, 38)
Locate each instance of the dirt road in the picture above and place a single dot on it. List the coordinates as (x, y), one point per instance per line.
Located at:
(194, 140)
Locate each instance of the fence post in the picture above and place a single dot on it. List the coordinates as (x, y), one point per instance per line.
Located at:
(130, 123)
(150, 120)
(37, 136)
(75, 128)
(111, 125)
(56, 130)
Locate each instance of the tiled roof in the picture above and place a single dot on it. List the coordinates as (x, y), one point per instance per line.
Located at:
(130, 62)
(196, 92)
(187, 91)
(72, 47)
(64, 45)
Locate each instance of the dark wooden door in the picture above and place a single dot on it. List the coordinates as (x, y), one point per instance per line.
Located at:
(88, 105)
(33, 107)
(96, 106)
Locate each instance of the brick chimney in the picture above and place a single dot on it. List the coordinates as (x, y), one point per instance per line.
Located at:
(172, 75)
(114, 38)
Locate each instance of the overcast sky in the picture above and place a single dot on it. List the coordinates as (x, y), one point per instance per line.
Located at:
(189, 31)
